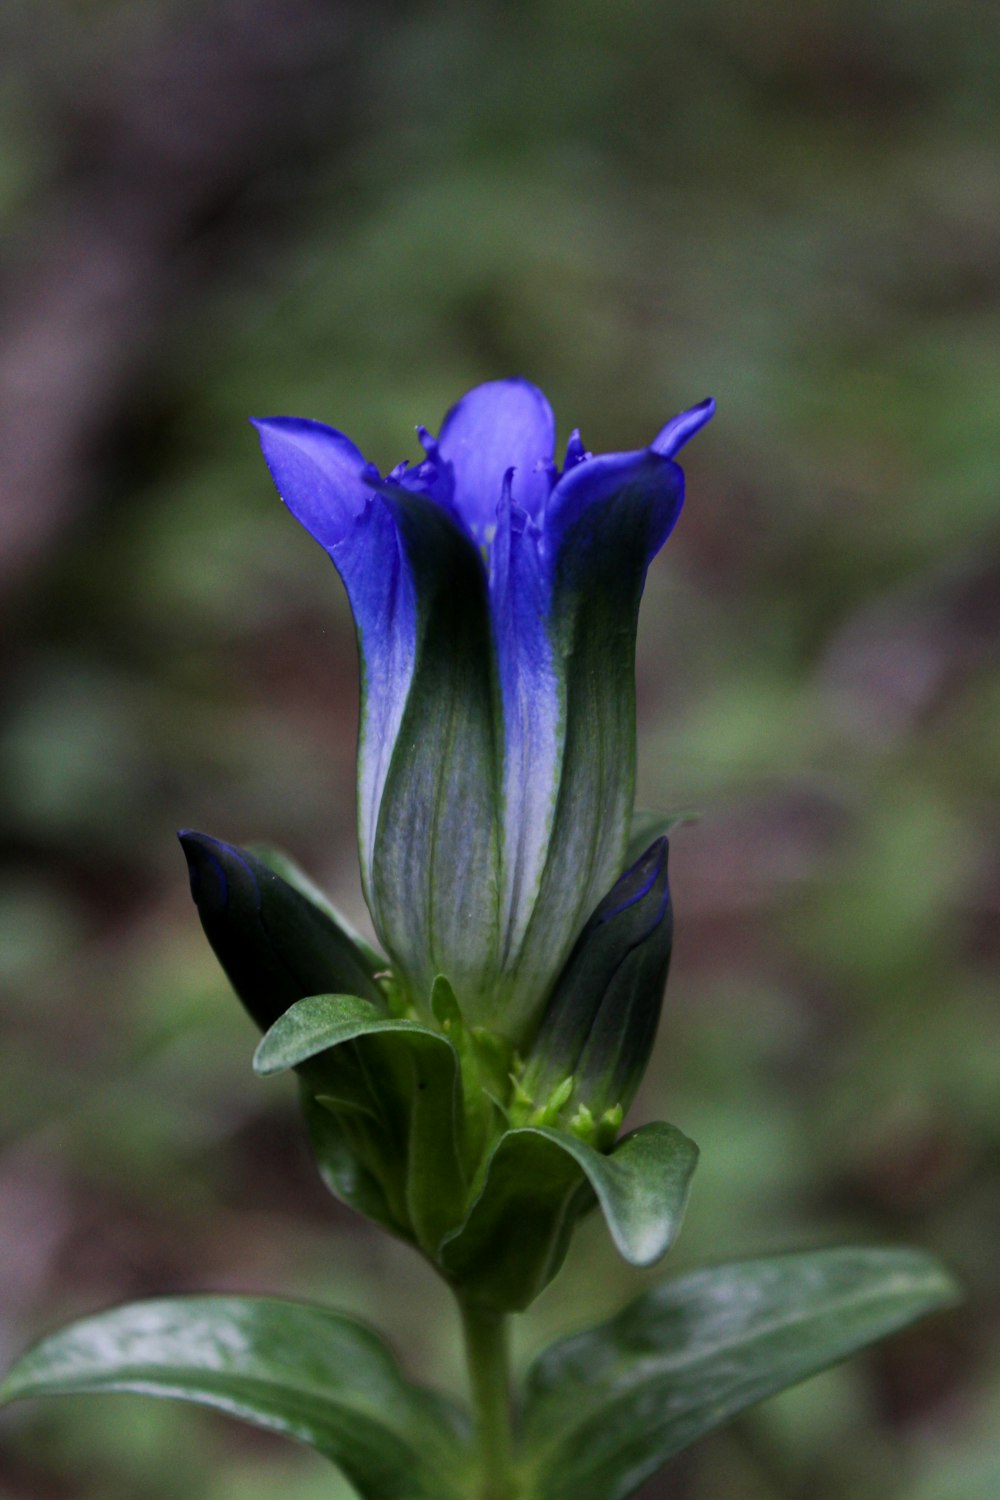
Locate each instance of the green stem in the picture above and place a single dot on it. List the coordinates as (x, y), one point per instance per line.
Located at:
(489, 1376)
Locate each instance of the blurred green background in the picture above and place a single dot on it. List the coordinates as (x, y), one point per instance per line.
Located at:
(354, 210)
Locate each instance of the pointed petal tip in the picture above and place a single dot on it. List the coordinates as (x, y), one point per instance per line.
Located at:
(195, 843)
(576, 453)
(427, 440)
(631, 888)
(681, 429)
(655, 857)
(318, 472)
(304, 428)
(206, 872)
(218, 872)
(264, 425)
(274, 428)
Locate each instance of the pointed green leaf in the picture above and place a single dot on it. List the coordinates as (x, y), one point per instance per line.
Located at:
(606, 1408)
(309, 1373)
(318, 1023)
(537, 1183)
(411, 1076)
(642, 1187)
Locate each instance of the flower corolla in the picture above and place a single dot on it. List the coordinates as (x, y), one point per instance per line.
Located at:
(495, 598)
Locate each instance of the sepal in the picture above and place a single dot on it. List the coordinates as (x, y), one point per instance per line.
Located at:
(341, 1168)
(485, 1062)
(406, 1139)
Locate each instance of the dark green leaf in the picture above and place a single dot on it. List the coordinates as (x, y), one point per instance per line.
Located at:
(405, 1078)
(318, 1023)
(642, 1187)
(606, 1408)
(340, 1166)
(311, 1374)
(519, 1227)
(538, 1182)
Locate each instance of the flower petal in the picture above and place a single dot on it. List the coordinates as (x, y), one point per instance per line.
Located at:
(498, 745)
(576, 453)
(566, 647)
(532, 707)
(639, 494)
(319, 475)
(680, 430)
(433, 894)
(501, 425)
(317, 471)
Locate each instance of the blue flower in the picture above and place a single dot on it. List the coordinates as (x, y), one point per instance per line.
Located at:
(495, 599)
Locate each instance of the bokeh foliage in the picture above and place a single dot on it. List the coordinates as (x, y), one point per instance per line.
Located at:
(353, 212)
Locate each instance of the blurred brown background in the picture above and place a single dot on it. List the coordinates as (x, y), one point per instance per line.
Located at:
(353, 211)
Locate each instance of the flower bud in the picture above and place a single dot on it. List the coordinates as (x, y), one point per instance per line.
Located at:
(275, 945)
(598, 1030)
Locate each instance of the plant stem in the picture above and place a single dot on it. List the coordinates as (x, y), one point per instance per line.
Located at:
(487, 1361)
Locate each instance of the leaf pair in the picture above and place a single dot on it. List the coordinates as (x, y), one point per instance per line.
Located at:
(602, 1410)
(501, 1234)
